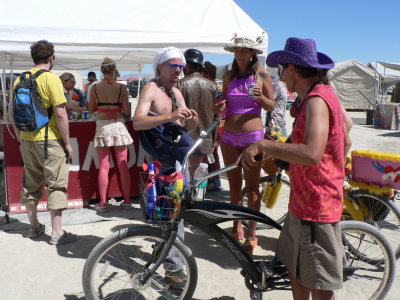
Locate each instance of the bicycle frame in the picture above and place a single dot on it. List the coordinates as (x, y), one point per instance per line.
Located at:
(356, 211)
(206, 215)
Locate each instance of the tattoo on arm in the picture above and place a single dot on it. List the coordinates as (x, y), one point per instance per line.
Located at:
(263, 75)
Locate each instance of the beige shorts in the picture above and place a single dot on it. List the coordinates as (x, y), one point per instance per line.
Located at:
(313, 252)
(37, 171)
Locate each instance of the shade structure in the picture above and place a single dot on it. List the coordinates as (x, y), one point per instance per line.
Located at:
(130, 32)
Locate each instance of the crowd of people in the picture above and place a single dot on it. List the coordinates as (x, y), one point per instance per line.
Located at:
(170, 105)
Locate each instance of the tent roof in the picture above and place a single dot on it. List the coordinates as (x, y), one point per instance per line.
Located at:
(355, 84)
(130, 32)
(393, 66)
(345, 65)
(390, 73)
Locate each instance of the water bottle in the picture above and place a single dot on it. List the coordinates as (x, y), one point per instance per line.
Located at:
(152, 191)
(200, 172)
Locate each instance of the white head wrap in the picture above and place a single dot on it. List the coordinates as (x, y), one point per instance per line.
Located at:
(165, 54)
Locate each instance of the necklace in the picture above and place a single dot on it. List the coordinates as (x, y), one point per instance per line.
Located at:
(169, 93)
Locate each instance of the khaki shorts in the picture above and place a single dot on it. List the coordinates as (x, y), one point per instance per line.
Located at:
(313, 251)
(53, 171)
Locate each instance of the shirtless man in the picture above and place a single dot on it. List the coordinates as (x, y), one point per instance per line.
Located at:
(156, 97)
(162, 103)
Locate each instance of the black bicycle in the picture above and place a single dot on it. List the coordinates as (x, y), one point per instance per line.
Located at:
(128, 263)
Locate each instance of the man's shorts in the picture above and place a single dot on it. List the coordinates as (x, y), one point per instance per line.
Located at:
(313, 252)
(37, 171)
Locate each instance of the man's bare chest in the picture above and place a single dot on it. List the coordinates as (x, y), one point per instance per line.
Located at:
(162, 104)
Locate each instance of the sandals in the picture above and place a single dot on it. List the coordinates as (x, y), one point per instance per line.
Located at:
(124, 205)
(35, 232)
(250, 245)
(100, 209)
(65, 238)
(238, 236)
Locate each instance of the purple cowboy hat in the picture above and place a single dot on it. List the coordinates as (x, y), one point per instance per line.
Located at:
(300, 52)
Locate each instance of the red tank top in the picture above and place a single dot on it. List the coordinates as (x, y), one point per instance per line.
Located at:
(316, 191)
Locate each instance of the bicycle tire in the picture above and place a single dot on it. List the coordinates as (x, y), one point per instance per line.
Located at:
(114, 266)
(362, 277)
(385, 215)
(279, 211)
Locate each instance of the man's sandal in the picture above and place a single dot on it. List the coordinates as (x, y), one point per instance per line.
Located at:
(250, 245)
(238, 236)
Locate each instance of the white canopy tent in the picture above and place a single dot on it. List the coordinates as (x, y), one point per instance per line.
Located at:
(130, 32)
(356, 85)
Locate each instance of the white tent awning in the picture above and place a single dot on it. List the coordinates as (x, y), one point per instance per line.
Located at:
(128, 31)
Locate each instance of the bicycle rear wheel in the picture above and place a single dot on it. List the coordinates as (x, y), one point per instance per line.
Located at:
(383, 214)
(279, 211)
(363, 276)
(115, 266)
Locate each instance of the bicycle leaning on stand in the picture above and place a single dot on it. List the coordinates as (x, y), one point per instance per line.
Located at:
(127, 264)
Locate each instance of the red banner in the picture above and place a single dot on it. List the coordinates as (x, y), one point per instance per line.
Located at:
(83, 173)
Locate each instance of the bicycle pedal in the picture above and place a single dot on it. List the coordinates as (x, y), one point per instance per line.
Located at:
(267, 268)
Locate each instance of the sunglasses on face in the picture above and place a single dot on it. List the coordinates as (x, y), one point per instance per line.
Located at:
(281, 67)
(174, 66)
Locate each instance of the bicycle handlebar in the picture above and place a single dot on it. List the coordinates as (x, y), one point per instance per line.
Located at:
(203, 135)
(212, 127)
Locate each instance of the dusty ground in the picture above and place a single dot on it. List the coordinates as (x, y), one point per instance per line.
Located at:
(35, 270)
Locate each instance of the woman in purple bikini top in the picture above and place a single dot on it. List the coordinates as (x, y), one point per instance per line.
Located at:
(243, 125)
(238, 100)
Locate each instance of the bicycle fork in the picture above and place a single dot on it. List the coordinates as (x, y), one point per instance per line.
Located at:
(159, 256)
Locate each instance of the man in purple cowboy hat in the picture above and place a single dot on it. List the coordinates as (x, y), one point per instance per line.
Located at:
(310, 242)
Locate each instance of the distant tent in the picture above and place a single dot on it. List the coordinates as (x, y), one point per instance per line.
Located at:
(356, 85)
(389, 72)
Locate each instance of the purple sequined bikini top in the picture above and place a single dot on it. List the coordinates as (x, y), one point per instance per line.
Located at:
(237, 99)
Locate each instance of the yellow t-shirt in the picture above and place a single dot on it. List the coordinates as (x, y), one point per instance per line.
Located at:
(52, 92)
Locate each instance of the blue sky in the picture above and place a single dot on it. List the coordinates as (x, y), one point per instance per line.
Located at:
(366, 30)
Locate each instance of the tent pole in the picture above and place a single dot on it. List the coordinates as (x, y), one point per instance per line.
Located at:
(11, 85)
(3, 84)
(140, 77)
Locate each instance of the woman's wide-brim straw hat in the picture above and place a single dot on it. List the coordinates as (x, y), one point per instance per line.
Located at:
(242, 42)
(300, 52)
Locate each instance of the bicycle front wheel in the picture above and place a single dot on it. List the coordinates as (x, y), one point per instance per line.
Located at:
(115, 267)
(370, 275)
(383, 214)
(280, 209)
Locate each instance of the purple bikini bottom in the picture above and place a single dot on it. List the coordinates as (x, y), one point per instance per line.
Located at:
(240, 140)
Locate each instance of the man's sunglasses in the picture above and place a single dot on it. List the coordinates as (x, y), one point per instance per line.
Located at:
(281, 67)
(174, 66)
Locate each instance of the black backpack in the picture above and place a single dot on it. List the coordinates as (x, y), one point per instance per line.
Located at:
(29, 113)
